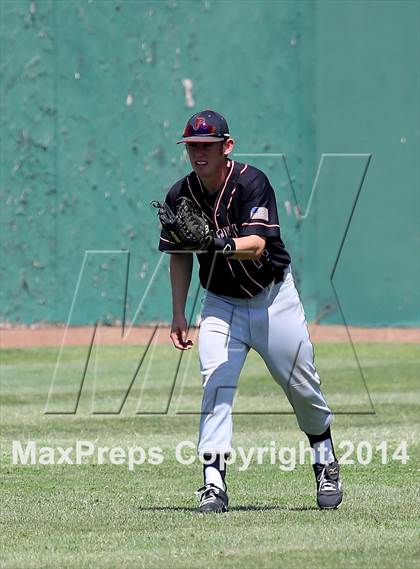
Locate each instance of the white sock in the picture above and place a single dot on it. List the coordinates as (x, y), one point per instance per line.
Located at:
(323, 452)
(213, 476)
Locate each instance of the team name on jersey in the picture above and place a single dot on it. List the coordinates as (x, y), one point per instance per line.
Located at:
(228, 231)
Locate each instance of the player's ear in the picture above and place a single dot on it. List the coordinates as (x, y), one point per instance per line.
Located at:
(228, 146)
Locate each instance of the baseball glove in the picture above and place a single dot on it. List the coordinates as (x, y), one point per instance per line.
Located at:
(187, 227)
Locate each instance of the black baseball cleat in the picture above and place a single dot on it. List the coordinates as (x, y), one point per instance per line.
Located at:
(329, 493)
(212, 499)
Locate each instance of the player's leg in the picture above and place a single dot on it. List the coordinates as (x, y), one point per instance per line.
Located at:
(223, 349)
(326, 470)
(280, 335)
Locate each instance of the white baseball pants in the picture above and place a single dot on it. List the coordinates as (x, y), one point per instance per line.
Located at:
(272, 323)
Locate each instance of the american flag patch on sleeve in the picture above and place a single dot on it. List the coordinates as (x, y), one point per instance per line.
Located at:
(259, 213)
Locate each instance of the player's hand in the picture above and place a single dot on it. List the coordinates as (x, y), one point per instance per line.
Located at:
(186, 226)
(179, 331)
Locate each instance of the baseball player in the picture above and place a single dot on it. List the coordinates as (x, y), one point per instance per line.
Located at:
(250, 302)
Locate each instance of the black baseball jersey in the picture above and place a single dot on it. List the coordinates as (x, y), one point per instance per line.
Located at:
(245, 205)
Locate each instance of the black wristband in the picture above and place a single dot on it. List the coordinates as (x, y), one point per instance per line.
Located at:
(226, 245)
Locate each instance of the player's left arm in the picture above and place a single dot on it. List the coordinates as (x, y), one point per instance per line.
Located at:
(258, 220)
(249, 247)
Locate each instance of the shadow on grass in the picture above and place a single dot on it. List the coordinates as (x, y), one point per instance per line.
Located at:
(248, 508)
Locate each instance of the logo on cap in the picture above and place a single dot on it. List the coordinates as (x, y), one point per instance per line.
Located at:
(198, 121)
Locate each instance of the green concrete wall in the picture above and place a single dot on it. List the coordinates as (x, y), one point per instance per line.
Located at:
(367, 100)
(93, 97)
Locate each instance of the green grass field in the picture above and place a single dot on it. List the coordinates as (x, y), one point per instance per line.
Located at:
(92, 515)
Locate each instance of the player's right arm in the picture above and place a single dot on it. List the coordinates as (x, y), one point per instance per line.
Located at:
(180, 266)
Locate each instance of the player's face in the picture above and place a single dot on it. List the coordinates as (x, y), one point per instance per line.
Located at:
(207, 158)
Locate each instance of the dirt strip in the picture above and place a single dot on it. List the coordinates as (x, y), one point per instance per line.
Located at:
(81, 336)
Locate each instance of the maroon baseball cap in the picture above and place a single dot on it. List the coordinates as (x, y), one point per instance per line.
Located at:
(206, 126)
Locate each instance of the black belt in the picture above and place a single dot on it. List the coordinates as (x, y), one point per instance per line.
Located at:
(280, 277)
